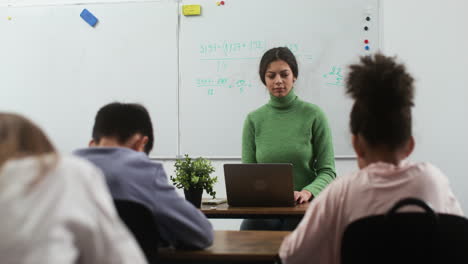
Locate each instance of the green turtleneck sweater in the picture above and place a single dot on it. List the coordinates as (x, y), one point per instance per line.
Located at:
(289, 130)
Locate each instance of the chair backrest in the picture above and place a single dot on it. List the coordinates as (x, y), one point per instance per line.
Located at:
(416, 237)
(141, 223)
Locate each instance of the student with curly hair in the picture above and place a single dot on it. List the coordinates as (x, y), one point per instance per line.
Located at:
(380, 123)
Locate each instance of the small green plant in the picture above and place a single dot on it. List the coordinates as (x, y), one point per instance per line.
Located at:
(194, 174)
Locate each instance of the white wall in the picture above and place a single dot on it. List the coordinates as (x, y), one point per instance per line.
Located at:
(430, 36)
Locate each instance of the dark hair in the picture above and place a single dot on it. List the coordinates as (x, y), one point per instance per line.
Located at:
(122, 121)
(275, 54)
(383, 92)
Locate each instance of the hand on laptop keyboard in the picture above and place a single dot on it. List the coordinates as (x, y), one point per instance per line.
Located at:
(302, 196)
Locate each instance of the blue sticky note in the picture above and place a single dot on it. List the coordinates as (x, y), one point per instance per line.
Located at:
(88, 17)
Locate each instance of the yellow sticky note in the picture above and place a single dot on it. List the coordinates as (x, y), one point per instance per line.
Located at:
(191, 10)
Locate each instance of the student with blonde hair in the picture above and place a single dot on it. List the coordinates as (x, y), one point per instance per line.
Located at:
(55, 209)
(381, 118)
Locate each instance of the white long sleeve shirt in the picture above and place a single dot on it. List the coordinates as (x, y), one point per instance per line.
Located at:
(372, 190)
(67, 217)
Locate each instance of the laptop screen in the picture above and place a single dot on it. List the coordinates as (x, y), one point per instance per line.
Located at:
(259, 184)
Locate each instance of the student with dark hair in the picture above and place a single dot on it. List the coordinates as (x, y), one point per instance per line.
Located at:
(288, 130)
(122, 122)
(55, 209)
(122, 139)
(381, 126)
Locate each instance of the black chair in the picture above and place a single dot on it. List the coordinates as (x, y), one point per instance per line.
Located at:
(141, 223)
(406, 237)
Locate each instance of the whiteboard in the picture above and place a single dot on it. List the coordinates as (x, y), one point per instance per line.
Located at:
(59, 71)
(221, 49)
(196, 75)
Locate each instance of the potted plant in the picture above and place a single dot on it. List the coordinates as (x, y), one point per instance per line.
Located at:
(193, 175)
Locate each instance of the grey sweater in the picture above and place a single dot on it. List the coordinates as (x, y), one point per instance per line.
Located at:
(131, 175)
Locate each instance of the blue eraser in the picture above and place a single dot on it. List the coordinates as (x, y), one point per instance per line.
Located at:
(88, 17)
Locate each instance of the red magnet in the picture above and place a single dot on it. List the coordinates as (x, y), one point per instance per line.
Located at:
(222, 2)
(366, 41)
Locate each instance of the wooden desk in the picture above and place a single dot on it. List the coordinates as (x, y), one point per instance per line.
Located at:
(232, 247)
(226, 211)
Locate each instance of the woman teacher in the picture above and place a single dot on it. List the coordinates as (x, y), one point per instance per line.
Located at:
(288, 130)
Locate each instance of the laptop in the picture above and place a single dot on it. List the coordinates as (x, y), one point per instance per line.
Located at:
(259, 184)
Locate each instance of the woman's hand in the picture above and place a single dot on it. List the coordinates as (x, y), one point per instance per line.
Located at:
(302, 196)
